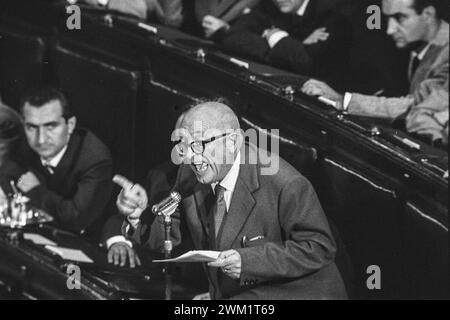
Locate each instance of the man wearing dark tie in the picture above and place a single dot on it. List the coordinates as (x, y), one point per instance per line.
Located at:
(70, 168)
(414, 25)
(266, 220)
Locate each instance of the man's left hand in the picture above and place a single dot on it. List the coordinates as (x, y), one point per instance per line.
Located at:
(314, 87)
(230, 263)
(27, 182)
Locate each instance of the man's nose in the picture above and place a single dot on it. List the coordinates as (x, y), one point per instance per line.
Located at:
(42, 135)
(391, 27)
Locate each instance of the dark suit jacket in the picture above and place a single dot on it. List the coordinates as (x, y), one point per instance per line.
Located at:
(9, 171)
(80, 188)
(10, 137)
(245, 37)
(294, 260)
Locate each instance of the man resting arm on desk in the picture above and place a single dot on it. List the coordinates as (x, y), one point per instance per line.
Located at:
(426, 105)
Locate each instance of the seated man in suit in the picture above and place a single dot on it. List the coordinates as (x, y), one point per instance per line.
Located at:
(414, 24)
(10, 133)
(216, 16)
(70, 169)
(297, 35)
(273, 237)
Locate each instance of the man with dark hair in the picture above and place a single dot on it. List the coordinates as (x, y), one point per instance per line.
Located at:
(70, 168)
(412, 24)
(420, 5)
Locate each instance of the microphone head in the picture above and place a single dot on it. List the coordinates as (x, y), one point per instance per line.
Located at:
(167, 204)
(175, 196)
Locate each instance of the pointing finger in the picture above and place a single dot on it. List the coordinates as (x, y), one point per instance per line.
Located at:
(122, 182)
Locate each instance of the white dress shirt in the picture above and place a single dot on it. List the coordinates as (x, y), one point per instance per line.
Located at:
(229, 182)
(53, 162)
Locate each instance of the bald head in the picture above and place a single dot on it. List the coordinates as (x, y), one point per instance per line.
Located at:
(208, 138)
(209, 115)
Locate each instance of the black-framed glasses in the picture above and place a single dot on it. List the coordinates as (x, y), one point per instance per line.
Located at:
(198, 146)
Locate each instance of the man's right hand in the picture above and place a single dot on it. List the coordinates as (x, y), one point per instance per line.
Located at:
(119, 252)
(320, 34)
(132, 200)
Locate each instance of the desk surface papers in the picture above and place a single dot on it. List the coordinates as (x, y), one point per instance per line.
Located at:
(70, 254)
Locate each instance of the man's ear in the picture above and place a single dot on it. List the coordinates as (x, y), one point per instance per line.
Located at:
(234, 141)
(72, 123)
(429, 13)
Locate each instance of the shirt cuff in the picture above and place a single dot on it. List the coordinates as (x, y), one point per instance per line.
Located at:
(276, 37)
(117, 239)
(347, 98)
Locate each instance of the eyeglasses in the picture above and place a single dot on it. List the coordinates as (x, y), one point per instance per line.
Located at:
(197, 147)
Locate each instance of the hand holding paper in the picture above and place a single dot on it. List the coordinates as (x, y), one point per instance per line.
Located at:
(230, 263)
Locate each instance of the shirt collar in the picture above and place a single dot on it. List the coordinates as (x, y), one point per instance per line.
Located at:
(422, 52)
(53, 162)
(229, 182)
(302, 9)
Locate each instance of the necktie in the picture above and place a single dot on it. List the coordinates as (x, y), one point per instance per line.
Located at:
(220, 207)
(414, 64)
(50, 169)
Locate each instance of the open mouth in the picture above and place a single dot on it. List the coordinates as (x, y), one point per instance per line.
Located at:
(201, 167)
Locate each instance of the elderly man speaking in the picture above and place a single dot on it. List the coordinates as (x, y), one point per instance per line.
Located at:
(273, 237)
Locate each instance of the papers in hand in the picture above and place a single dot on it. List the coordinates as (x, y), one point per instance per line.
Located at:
(70, 254)
(194, 256)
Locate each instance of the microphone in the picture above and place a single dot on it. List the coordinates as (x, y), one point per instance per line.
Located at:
(167, 205)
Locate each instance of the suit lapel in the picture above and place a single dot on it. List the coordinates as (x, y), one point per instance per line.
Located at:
(68, 161)
(202, 196)
(241, 206)
(424, 66)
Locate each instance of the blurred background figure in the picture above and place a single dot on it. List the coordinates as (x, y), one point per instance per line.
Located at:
(303, 36)
(168, 12)
(10, 133)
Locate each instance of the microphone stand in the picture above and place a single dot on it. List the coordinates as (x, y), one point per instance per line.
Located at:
(166, 209)
(167, 255)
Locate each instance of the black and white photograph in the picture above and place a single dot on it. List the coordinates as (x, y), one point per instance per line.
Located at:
(243, 151)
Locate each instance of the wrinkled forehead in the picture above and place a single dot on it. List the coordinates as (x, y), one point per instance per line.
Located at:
(196, 129)
(392, 7)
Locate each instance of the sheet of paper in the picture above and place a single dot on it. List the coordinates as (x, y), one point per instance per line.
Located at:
(70, 254)
(38, 239)
(194, 256)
